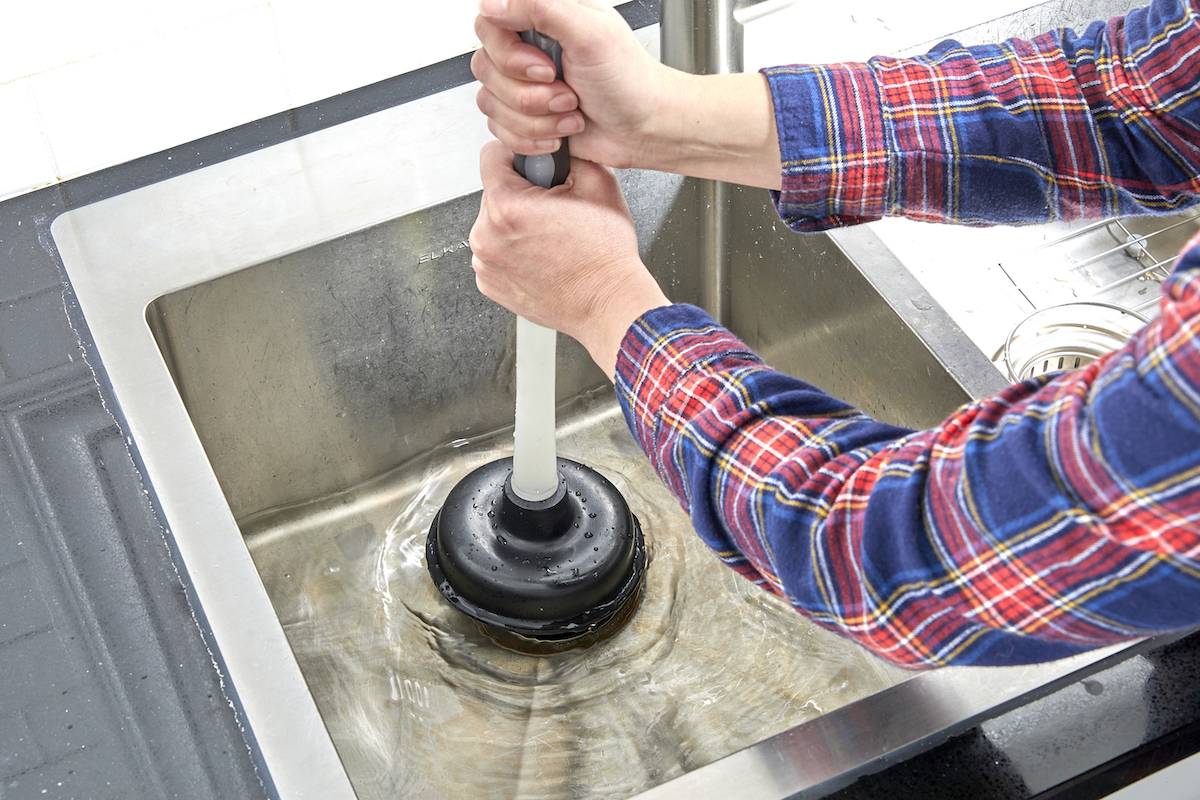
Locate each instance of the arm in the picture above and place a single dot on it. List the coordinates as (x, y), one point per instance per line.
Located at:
(1061, 127)
(1058, 516)
(1055, 517)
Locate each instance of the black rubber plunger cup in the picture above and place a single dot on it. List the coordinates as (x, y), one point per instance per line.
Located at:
(539, 577)
(542, 575)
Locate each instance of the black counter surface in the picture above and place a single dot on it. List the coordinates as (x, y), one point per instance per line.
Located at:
(107, 686)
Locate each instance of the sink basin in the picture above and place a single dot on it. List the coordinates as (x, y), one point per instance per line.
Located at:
(297, 346)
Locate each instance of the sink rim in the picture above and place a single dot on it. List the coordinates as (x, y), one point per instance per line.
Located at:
(124, 252)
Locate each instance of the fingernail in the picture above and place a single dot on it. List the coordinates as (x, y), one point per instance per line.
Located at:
(571, 124)
(562, 102)
(493, 8)
(541, 73)
(548, 144)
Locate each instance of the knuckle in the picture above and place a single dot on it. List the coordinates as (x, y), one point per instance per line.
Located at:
(503, 134)
(505, 222)
(527, 104)
(478, 252)
(479, 64)
(510, 64)
(501, 218)
(518, 144)
(545, 128)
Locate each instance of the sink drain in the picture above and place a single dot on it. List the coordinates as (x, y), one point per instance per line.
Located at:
(1067, 336)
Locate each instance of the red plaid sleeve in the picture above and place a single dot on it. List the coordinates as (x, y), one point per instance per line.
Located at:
(1060, 127)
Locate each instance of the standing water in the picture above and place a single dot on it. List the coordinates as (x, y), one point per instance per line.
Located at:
(421, 704)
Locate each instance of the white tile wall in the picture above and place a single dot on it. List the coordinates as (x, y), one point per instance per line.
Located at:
(816, 33)
(169, 89)
(365, 41)
(25, 158)
(85, 85)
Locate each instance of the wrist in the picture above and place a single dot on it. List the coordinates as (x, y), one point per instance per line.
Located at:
(720, 127)
(604, 336)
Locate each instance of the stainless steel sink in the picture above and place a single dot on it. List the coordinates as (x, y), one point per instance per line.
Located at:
(295, 340)
(318, 370)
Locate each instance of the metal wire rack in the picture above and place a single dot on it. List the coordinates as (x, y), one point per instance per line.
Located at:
(1090, 289)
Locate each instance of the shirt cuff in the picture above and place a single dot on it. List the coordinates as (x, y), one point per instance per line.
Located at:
(833, 143)
(659, 350)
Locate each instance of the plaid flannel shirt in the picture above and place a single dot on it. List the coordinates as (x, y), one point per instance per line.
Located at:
(1060, 515)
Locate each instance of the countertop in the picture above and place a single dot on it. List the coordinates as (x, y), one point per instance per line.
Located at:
(107, 688)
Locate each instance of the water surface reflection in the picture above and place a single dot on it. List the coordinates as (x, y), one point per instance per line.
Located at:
(421, 704)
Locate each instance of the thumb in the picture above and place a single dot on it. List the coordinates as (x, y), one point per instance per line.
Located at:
(595, 183)
(496, 169)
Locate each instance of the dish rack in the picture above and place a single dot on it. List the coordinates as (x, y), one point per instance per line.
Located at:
(1090, 288)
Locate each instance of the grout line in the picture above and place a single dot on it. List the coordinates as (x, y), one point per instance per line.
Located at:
(41, 126)
(288, 91)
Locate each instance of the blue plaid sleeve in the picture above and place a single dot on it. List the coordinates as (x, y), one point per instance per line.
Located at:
(1061, 515)
(1060, 127)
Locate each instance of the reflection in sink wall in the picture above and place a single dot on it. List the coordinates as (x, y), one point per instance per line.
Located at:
(318, 370)
(807, 309)
(321, 369)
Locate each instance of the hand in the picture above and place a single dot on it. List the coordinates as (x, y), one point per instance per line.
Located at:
(610, 101)
(619, 106)
(566, 257)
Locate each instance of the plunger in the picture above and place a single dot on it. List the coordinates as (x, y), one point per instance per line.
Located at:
(543, 552)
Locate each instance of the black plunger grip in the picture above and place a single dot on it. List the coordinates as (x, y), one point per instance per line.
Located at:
(550, 169)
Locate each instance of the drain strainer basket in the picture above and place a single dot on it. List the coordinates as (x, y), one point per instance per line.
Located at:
(1067, 336)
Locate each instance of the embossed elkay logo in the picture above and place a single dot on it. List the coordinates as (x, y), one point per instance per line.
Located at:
(451, 248)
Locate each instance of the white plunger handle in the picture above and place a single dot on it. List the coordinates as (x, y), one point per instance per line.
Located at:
(535, 465)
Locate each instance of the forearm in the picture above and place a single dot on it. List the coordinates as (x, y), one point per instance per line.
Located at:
(720, 127)
(622, 305)
(1060, 127)
(1055, 517)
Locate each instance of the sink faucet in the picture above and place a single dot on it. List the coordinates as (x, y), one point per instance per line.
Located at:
(706, 37)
